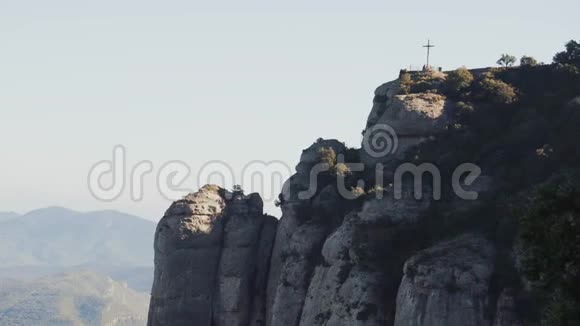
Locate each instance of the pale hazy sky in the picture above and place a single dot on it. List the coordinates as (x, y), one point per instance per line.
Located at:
(223, 80)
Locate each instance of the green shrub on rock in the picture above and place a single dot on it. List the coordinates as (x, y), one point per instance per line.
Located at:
(550, 237)
(327, 155)
(405, 83)
(495, 90)
(561, 310)
(341, 170)
(464, 111)
(549, 233)
(527, 61)
(458, 81)
(357, 191)
(427, 82)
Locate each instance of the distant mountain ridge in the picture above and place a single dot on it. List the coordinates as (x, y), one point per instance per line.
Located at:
(7, 215)
(57, 236)
(79, 298)
(63, 267)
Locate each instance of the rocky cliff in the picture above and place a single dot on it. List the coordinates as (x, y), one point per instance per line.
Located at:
(360, 258)
(212, 253)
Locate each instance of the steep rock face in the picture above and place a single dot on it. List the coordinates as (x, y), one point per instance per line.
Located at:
(350, 284)
(447, 284)
(300, 236)
(341, 292)
(211, 259)
(413, 118)
(316, 276)
(299, 261)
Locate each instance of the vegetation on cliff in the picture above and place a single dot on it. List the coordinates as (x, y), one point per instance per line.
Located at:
(520, 125)
(550, 228)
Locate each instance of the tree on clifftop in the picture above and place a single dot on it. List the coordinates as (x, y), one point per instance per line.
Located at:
(528, 61)
(570, 56)
(506, 60)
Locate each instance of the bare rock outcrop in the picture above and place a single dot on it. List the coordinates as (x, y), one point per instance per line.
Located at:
(413, 118)
(340, 292)
(447, 284)
(302, 230)
(299, 261)
(356, 280)
(212, 253)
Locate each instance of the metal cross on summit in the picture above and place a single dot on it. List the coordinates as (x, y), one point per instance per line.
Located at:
(428, 46)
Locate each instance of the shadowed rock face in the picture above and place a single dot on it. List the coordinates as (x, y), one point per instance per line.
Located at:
(211, 260)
